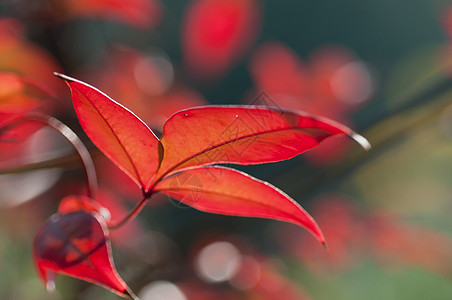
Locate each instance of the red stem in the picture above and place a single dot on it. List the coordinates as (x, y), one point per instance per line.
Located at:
(133, 213)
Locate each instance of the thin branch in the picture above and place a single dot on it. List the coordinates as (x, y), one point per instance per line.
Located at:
(65, 161)
(133, 213)
(79, 147)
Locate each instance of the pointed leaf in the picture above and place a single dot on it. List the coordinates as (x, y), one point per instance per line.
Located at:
(227, 191)
(77, 244)
(116, 131)
(242, 135)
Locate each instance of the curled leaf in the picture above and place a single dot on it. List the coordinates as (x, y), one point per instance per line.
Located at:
(77, 244)
(227, 191)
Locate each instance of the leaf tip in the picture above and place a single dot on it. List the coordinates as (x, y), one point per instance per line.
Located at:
(130, 294)
(50, 286)
(362, 141)
(325, 246)
(64, 77)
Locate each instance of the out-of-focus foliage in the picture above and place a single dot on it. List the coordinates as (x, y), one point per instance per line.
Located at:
(381, 67)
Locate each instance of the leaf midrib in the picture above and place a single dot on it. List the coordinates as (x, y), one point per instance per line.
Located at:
(226, 143)
(116, 137)
(293, 202)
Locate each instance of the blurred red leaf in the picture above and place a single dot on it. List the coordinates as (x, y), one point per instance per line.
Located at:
(353, 234)
(397, 241)
(82, 203)
(273, 285)
(10, 123)
(344, 228)
(77, 244)
(216, 33)
(227, 191)
(19, 94)
(447, 21)
(116, 131)
(14, 134)
(24, 58)
(138, 13)
(25, 80)
(332, 83)
(242, 135)
(278, 70)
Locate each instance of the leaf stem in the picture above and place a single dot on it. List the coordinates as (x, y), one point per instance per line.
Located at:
(133, 213)
(79, 147)
(65, 161)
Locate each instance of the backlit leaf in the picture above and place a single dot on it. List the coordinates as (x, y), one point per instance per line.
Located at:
(227, 191)
(116, 131)
(242, 135)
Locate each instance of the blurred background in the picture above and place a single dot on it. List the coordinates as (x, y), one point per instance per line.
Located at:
(381, 67)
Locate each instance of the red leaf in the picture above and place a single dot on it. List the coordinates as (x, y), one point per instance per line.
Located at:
(227, 191)
(19, 94)
(77, 244)
(242, 135)
(14, 134)
(138, 13)
(216, 33)
(20, 56)
(116, 131)
(82, 203)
